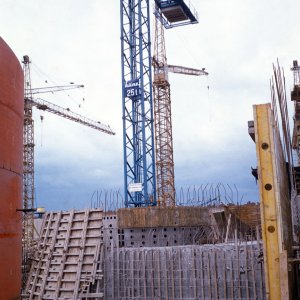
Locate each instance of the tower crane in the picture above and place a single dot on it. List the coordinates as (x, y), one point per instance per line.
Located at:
(28, 144)
(137, 102)
(165, 182)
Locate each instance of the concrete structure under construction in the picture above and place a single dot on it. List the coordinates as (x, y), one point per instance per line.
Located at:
(150, 253)
(199, 249)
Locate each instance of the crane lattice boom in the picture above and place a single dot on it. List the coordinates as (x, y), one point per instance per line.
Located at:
(68, 114)
(186, 70)
(57, 88)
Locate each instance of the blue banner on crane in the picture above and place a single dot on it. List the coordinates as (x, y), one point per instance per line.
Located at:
(132, 88)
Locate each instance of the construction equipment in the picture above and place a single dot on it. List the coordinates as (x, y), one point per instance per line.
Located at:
(68, 114)
(137, 104)
(295, 96)
(57, 88)
(28, 151)
(75, 278)
(163, 117)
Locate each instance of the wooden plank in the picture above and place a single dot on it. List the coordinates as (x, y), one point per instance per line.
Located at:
(37, 266)
(165, 273)
(215, 275)
(78, 283)
(224, 265)
(69, 253)
(253, 271)
(202, 275)
(264, 149)
(194, 272)
(48, 264)
(273, 202)
(210, 287)
(284, 287)
(231, 276)
(144, 286)
(63, 257)
(172, 274)
(180, 274)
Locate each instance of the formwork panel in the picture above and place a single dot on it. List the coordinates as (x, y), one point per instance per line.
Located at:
(222, 271)
(66, 266)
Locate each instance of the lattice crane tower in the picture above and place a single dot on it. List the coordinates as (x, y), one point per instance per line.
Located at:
(137, 110)
(137, 102)
(163, 116)
(163, 122)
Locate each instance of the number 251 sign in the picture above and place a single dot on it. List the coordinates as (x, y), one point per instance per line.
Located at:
(132, 88)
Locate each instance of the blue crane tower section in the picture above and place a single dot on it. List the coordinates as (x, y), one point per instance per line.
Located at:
(137, 104)
(138, 135)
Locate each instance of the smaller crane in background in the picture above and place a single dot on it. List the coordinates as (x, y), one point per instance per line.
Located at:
(28, 150)
(165, 181)
(295, 96)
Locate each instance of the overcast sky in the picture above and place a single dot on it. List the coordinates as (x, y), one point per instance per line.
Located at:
(79, 41)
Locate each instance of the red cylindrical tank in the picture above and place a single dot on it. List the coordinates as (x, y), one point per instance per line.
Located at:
(11, 166)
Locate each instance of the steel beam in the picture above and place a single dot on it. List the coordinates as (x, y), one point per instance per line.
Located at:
(138, 138)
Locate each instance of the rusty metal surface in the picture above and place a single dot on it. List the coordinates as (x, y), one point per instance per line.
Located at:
(165, 183)
(163, 216)
(249, 214)
(11, 126)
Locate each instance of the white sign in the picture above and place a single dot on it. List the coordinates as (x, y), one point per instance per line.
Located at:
(135, 187)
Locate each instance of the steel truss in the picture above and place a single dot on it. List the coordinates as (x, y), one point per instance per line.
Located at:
(28, 161)
(138, 138)
(163, 122)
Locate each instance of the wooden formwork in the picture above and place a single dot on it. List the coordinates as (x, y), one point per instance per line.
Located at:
(274, 204)
(68, 261)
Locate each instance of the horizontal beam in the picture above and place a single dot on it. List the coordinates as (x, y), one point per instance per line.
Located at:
(186, 70)
(52, 89)
(68, 114)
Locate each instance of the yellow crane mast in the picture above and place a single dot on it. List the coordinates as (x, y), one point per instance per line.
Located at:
(163, 117)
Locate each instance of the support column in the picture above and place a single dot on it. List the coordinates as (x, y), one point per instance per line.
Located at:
(274, 202)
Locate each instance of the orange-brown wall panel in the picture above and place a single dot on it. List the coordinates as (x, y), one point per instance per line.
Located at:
(11, 156)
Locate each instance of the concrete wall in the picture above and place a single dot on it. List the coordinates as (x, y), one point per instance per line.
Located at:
(223, 271)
